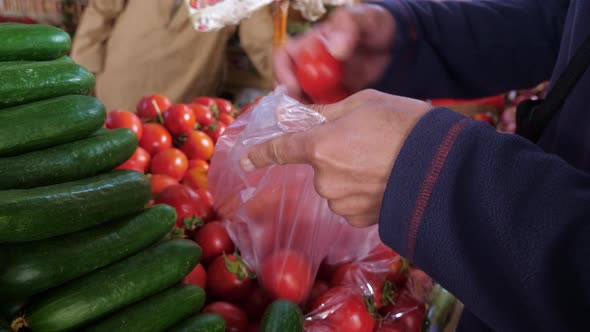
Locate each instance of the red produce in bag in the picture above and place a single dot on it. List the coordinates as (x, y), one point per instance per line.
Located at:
(283, 228)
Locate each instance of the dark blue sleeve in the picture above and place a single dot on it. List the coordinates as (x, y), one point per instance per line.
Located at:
(494, 219)
(470, 49)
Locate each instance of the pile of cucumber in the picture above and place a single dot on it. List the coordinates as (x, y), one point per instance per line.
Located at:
(79, 249)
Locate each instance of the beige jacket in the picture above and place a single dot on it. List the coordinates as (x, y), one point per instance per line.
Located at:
(140, 47)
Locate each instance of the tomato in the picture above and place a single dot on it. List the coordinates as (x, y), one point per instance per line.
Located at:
(318, 326)
(179, 119)
(224, 106)
(319, 288)
(203, 114)
(139, 161)
(389, 326)
(351, 314)
(214, 240)
(171, 162)
(235, 318)
(146, 108)
(155, 138)
(406, 311)
(255, 303)
(215, 130)
(254, 327)
(358, 274)
(317, 71)
(229, 278)
(198, 163)
(161, 182)
(198, 276)
(125, 119)
(184, 200)
(287, 274)
(205, 101)
(207, 200)
(196, 178)
(226, 118)
(198, 145)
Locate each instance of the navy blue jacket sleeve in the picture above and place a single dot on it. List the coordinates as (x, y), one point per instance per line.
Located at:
(493, 218)
(470, 49)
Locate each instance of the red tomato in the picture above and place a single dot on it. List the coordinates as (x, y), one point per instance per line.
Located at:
(198, 145)
(317, 71)
(351, 315)
(388, 326)
(207, 200)
(228, 278)
(184, 200)
(155, 138)
(161, 182)
(287, 275)
(254, 327)
(171, 162)
(198, 163)
(226, 118)
(198, 276)
(356, 274)
(319, 288)
(224, 106)
(235, 318)
(214, 240)
(139, 161)
(406, 311)
(125, 119)
(146, 108)
(203, 114)
(318, 326)
(256, 303)
(205, 101)
(215, 130)
(179, 119)
(196, 178)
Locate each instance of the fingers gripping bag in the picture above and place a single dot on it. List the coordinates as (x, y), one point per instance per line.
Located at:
(282, 227)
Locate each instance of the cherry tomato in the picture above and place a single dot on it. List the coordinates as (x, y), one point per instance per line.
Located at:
(255, 304)
(318, 326)
(207, 200)
(215, 130)
(155, 138)
(198, 276)
(406, 311)
(319, 288)
(196, 178)
(228, 278)
(205, 101)
(171, 162)
(203, 114)
(184, 200)
(146, 108)
(198, 163)
(161, 182)
(226, 118)
(198, 145)
(179, 119)
(224, 106)
(214, 240)
(139, 161)
(125, 119)
(287, 275)
(354, 274)
(235, 318)
(351, 315)
(388, 326)
(318, 72)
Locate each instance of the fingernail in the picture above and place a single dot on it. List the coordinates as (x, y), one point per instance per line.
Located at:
(247, 164)
(336, 44)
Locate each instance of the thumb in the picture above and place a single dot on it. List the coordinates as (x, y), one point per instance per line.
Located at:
(341, 34)
(289, 148)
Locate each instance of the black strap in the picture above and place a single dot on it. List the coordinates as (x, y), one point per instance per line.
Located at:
(534, 116)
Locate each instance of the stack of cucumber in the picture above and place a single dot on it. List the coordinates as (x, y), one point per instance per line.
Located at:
(79, 250)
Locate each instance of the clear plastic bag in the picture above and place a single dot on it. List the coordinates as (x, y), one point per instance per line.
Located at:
(211, 15)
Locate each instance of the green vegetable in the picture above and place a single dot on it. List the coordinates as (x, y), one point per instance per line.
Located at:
(6, 64)
(201, 323)
(32, 42)
(282, 315)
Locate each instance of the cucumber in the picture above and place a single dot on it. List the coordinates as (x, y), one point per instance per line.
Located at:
(48, 123)
(33, 267)
(113, 287)
(40, 213)
(68, 162)
(32, 42)
(201, 323)
(6, 64)
(282, 315)
(10, 306)
(27, 83)
(156, 313)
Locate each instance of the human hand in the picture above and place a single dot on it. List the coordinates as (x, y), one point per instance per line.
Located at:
(360, 36)
(352, 154)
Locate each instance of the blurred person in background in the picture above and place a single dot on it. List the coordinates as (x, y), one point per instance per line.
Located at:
(141, 47)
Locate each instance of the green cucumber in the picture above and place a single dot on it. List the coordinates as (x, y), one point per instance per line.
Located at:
(113, 287)
(33, 267)
(6, 64)
(44, 212)
(282, 315)
(48, 123)
(11, 306)
(68, 162)
(24, 84)
(156, 313)
(32, 42)
(201, 323)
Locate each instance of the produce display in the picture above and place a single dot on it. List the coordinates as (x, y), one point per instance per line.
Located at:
(109, 222)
